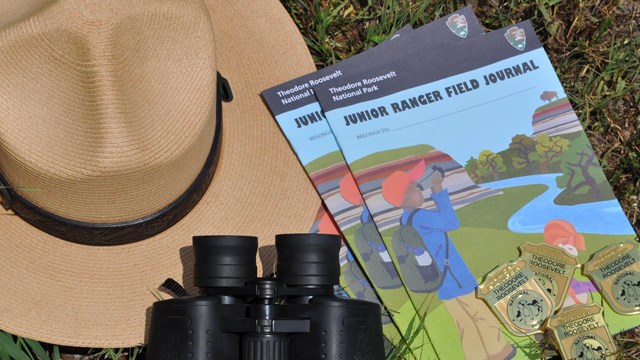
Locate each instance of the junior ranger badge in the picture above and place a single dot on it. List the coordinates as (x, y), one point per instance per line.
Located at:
(553, 267)
(581, 333)
(615, 270)
(515, 296)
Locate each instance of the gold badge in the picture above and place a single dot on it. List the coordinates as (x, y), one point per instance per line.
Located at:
(553, 268)
(615, 270)
(516, 298)
(581, 333)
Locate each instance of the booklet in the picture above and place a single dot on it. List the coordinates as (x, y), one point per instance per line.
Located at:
(302, 122)
(355, 282)
(462, 155)
(352, 276)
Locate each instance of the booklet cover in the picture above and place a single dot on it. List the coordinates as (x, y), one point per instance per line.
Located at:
(302, 121)
(355, 282)
(463, 155)
(352, 276)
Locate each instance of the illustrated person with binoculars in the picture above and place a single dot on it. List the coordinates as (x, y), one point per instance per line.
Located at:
(479, 330)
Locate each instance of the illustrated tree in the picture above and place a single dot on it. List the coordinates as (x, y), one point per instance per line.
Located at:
(581, 172)
(490, 161)
(522, 151)
(475, 171)
(550, 149)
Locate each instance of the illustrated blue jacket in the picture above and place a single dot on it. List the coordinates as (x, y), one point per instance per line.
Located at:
(433, 226)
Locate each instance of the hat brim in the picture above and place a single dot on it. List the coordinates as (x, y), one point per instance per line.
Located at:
(77, 295)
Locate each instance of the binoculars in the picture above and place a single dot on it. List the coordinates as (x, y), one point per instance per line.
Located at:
(294, 315)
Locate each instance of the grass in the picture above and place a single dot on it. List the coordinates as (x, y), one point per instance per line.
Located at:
(18, 348)
(593, 44)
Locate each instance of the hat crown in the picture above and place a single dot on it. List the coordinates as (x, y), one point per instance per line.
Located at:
(95, 11)
(108, 107)
(53, 290)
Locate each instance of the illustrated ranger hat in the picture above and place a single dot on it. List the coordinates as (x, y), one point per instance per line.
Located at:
(119, 141)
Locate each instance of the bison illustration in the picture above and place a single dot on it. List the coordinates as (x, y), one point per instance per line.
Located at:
(528, 311)
(548, 96)
(630, 290)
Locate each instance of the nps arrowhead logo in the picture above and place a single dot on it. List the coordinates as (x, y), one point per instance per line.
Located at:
(458, 25)
(516, 37)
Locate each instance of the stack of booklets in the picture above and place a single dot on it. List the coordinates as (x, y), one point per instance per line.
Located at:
(439, 153)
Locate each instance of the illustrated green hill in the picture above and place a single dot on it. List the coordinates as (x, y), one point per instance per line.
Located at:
(388, 156)
(324, 162)
(552, 104)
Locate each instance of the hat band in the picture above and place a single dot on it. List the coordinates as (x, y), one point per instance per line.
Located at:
(127, 231)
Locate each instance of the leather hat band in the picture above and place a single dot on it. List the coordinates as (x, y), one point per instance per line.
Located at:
(127, 231)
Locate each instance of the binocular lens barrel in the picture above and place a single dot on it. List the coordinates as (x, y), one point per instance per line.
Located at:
(308, 259)
(224, 261)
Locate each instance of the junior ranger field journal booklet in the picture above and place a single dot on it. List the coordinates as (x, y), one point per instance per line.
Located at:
(303, 123)
(462, 156)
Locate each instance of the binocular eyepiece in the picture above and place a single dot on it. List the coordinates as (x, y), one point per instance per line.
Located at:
(230, 261)
(239, 316)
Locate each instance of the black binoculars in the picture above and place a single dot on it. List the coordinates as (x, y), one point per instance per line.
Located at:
(294, 315)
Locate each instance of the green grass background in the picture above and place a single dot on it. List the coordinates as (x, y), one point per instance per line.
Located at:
(595, 48)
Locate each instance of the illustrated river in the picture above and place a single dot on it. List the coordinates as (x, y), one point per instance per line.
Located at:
(603, 217)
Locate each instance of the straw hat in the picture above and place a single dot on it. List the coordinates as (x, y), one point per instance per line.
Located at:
(108, 114)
